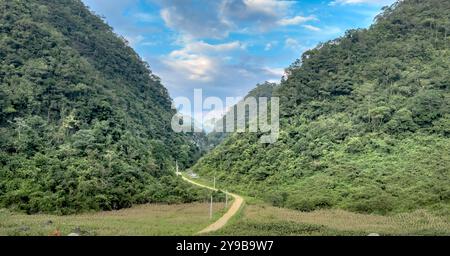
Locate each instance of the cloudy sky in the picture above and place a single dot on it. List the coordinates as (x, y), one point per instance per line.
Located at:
(226, 47)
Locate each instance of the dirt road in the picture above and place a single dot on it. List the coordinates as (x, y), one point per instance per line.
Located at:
(237, 204)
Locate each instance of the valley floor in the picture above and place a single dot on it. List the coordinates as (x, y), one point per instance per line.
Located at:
(260, 219)
(254, 219)
(149, 220)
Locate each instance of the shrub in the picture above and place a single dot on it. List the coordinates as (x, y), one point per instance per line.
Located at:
(308, 203)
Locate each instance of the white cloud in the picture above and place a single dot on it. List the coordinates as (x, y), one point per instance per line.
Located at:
(272, 7)
(270, 45)
(196, 21)
(295, 20)
(296, 47)
(193, 66)
(203, 47)
(254, 15)
(200, 61)
(225, 69)
(216, 19)
(312, 28)
(197, 68)
(292, 44)
(277, 72)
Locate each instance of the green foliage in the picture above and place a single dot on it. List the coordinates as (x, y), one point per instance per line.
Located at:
(364, 122)
(84, 123)
(264, 90)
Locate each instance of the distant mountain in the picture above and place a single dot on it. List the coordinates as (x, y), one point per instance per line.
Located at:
(365, 122)
(84, 123)
(214, 138)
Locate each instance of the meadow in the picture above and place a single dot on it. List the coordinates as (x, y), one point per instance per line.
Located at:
(261, 219)
(148, 220)
(254, 219)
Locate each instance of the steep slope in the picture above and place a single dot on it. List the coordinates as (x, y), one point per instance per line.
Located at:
(84, 123)
(365, 122)
(214, 138)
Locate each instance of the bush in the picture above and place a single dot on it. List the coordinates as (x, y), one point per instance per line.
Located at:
(276, 198)
(370, 200)
(308, 203)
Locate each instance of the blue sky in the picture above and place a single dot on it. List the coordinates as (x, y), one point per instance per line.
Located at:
(226, 47)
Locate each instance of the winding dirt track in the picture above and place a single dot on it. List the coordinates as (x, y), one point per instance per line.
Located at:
(237, 204)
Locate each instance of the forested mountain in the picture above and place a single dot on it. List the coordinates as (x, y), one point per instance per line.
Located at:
(365, 122)
(214, 138)
(84, 124)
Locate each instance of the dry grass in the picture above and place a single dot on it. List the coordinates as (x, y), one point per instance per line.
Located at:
(337, 222)
(154, 219)
(256, 219)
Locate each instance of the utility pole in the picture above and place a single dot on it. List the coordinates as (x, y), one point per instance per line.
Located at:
(177, 171)
(211, 208)
(211, 205)
(226, 199)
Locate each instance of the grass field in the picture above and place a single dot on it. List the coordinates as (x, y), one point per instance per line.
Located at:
(151, 220)
(258, 219)
(254, 219)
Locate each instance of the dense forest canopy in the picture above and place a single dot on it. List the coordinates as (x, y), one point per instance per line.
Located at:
(365, 122)
(84, 123)
(219, 132)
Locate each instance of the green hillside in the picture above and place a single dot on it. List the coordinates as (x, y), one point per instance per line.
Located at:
(84, 123)
(365, 122)
(214, 138)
